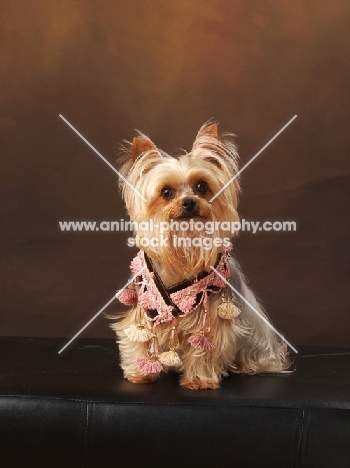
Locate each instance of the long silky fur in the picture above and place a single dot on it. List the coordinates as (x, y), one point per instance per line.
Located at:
(260, 349)
(245, 345)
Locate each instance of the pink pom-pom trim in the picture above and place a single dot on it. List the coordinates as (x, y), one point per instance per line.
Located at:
(127, 297)
(147, 366)
(201, 342)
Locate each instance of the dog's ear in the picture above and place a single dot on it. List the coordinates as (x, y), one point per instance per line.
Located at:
(210, 130)
(140, 145)
(219, 150)
(208, 139)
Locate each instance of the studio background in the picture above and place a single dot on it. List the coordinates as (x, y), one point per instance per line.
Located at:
(165, 68)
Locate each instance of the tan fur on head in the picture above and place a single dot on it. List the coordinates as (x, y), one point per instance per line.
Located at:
(244, 344)
(212, 160)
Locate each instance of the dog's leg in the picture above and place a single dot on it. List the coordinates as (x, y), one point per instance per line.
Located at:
(129, 352)
(204, 369)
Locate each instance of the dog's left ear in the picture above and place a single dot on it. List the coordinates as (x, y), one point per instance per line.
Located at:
(140, 145)
(211, 147)
(208, 139)
(210, 130)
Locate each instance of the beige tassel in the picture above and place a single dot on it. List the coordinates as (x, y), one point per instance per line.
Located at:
(227, 310)
(139, 330)
(138, 333)
(171, 358)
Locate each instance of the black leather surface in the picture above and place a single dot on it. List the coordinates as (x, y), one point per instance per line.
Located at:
(75, 410)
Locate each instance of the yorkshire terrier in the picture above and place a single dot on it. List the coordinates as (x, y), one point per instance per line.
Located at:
(191, 309)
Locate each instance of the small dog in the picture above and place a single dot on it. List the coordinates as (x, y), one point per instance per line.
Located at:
(184, 315)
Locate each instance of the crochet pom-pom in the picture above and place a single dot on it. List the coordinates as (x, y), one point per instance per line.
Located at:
(200, 342)
(228, 311)
(138, 333)
(149, 366)
(127, 297)
(170, 358)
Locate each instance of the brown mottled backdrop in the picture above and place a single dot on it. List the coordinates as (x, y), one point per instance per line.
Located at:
(165, 68)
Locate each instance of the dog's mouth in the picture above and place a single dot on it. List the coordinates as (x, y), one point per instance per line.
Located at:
(192, 215)
(186, 215)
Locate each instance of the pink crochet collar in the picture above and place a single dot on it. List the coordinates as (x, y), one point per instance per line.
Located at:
(185, 298)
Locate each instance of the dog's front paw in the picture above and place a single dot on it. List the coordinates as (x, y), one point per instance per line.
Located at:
(198, 384)
(140, 379)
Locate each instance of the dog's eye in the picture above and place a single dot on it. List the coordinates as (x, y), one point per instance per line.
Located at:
(201, 187)
(167, 193)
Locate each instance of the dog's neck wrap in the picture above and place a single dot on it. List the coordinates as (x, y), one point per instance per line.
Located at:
(162, 305)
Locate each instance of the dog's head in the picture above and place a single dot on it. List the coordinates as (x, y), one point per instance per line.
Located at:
(181, 190)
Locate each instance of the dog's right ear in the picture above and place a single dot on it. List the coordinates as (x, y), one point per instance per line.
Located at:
(140, 145)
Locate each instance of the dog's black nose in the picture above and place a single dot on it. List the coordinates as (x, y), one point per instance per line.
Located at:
(188, 204)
